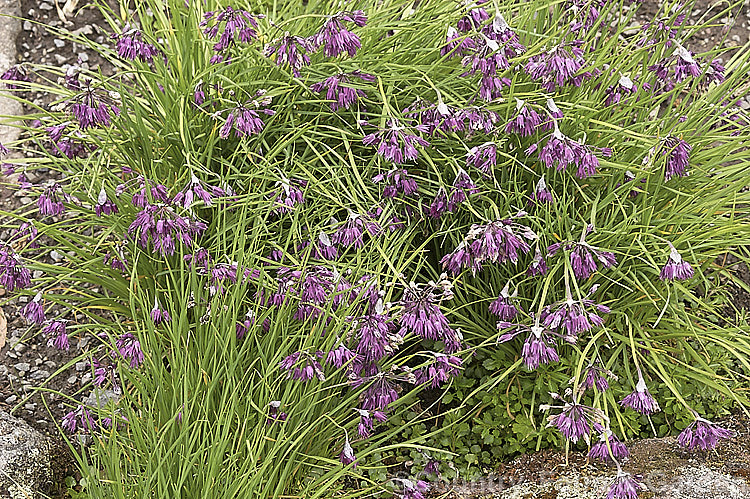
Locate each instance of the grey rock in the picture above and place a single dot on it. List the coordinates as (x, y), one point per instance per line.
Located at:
(58, 43)
(45, 6)
(100, 398)
(60, 59)
(39, 375)
(80, 366)
(50, 364)
(20, 348)
(72, 380)
(27, 459)
(11, 399)
(22, 367)
(28, 26)
(83, 57)
(11, 355)
(56, 256)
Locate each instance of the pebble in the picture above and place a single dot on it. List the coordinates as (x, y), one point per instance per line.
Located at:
(60, 59)
(20, 348)
(56, 256)
(80, 366)
(22, 367)
(30, 406)
(58, 43)
(72, 380)
(50, 364)
(11, 399)
(83, 57)
(39, 375)
(11, 355)
(27, 26)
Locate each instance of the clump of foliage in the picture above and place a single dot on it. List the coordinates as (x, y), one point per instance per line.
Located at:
(312, 243)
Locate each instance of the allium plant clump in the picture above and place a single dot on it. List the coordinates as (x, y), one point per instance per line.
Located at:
(307, 243)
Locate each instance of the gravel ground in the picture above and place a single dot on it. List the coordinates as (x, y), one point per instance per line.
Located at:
(26, 362)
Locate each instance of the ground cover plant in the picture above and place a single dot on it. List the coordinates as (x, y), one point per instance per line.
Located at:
(339, 252)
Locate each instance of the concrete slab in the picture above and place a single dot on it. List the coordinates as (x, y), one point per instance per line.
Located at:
(9, 29)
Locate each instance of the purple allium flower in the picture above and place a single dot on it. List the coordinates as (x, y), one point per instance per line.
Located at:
(574, 421)
(499, 31)
(195, 190)
(505, 306)
(624, 487)
(239, 25)
(463, 187)
(274, 414)
(676, 269)
(714, 72)
(15, 73)
(573, 316)
(379, 394)
(412, 489)
(245, 118)
(483, 157)
(164, 228)
(13, 273)
(69, 422)
(335, 38)
(542, 194)
(104, 205)
(397, 182)
(33, 312)
(339, 356)
(525, 122)
(320, 247)
(199, 96)
(436, 117)
(641, 400)
(601, 449)
(3, 150)
(685, 65)
(703, 434)
(473, 19)
(395, 142)
(586, 13)
(130, 45)
(457, 44)
(596, 377)
(49, 203)
(479, 118)
(366, 423)
(487, 59)
(440, 370)
(303, 367)
(584, 257)
(664, 28)
(56, 334)
(559, 66)
(130, 348)
(342, 96)
(497, 242)
(116, 259)
(561, 151)
(351, 232)
(439, 204)
(421, 312)
(375, 338)
(159, 315)
(92, 107)
(290, 51)
(538, 348)
(677, 153)
(538, 265)
(242, 328)
(288, 194)
(347, 456)
(621, 91)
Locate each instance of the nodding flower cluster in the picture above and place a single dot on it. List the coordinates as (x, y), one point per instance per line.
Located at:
(164, 228)
(15, 73)
(13, 273)
(397, 182)
(130, 45)
(559, 66)
(676, 269)
(395, 142)
(487, 51)
(498, 242)
(340, 95)
(92, 106)
(561, 151)
(335, 38)
(238, 26)
(245, 119)
(585, 259)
